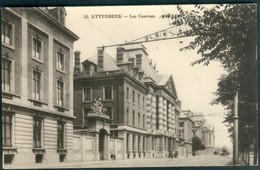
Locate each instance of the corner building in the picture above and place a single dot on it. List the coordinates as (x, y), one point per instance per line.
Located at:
(142, 106)
(37, 86)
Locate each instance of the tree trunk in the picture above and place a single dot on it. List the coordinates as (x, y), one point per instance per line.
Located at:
(248, 156)
(255, 151)
(243, 154)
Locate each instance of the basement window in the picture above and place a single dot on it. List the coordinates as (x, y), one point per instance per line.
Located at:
(8, 158)
(38, 158)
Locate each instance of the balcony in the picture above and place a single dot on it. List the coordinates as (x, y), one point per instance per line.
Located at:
(98, 115)
(10, 96)
(38, 103)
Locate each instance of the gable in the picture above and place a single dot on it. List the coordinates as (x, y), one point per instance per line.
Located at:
(170, 86)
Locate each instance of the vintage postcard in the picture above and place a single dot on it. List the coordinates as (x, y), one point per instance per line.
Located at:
(129, 86)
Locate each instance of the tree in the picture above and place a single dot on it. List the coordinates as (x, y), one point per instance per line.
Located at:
(227, 33)
(197, 144)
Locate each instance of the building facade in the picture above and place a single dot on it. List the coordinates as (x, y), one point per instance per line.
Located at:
(205, 132)
(142, 106)
(37, 88)
(186, 124)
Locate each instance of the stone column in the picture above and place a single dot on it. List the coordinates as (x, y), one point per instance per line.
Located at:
(161, 112)
(130, 145)
(50, 73)
(71, 83)
(124, 146)
(96, 149)
(164, 115)
(107, 147)
(24, 48)
(148, 112)
(153, 112)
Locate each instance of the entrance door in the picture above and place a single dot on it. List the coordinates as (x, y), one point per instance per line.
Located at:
(102, 135)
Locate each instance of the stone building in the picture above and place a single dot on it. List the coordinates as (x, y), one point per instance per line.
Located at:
(142, 106)
(205, 132)
(37, 89)
(186, 124)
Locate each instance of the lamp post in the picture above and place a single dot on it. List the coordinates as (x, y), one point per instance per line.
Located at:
(235, 119)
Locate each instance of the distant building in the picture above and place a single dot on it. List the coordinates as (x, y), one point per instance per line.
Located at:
(205, 132)
(37, 89)
(142, 106)
(186, 124)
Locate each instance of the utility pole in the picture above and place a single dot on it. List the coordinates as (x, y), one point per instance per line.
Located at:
(235, 119)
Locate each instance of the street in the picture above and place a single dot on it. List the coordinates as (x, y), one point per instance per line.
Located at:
(210, 160)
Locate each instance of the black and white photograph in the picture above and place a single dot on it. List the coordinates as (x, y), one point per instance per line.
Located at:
(129, 86)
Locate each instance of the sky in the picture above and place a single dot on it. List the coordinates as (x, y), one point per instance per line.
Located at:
(195, 85)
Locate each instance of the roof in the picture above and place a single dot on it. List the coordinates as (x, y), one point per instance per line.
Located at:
(163, 79)
(109, 62)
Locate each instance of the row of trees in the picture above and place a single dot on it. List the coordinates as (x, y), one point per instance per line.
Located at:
(227, 33)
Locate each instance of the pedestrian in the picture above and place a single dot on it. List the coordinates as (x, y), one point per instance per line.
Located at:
(114, 157)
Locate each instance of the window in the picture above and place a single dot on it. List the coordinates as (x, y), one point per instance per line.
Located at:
(37, 132)
(139, 60)
(138, 100)
(139, 120)
(85, 119)
(143, 143)
(87, 70)
(60, 61)
(6, 129)
(110, 112)
(133, 143)
(61, 135)
(6, 75)
(7, 33)
(143, 121)
(37, 48)
(60, 89)
(133, 118)
(153, 143)
(138, 142)
(127, 116)
(127, 142)
(133, 97)
(127, 93)
(108, 92)
(143, 102)
(87, 94)
(36, 85)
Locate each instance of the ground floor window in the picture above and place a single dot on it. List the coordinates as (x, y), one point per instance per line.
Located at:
(62, 157)
(6, 129)
(38, 158)
(8, 158)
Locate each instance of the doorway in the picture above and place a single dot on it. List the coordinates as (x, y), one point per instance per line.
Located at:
(102, 137)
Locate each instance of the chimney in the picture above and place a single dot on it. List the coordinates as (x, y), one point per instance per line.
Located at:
(139, 59)
(77, 63)
(119, 54)
(100, 64)
(154, 66)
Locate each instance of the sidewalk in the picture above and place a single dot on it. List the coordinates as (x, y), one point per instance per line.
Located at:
(89, 163)
(132, 163)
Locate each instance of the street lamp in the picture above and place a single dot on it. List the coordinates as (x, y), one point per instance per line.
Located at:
(235, 119)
